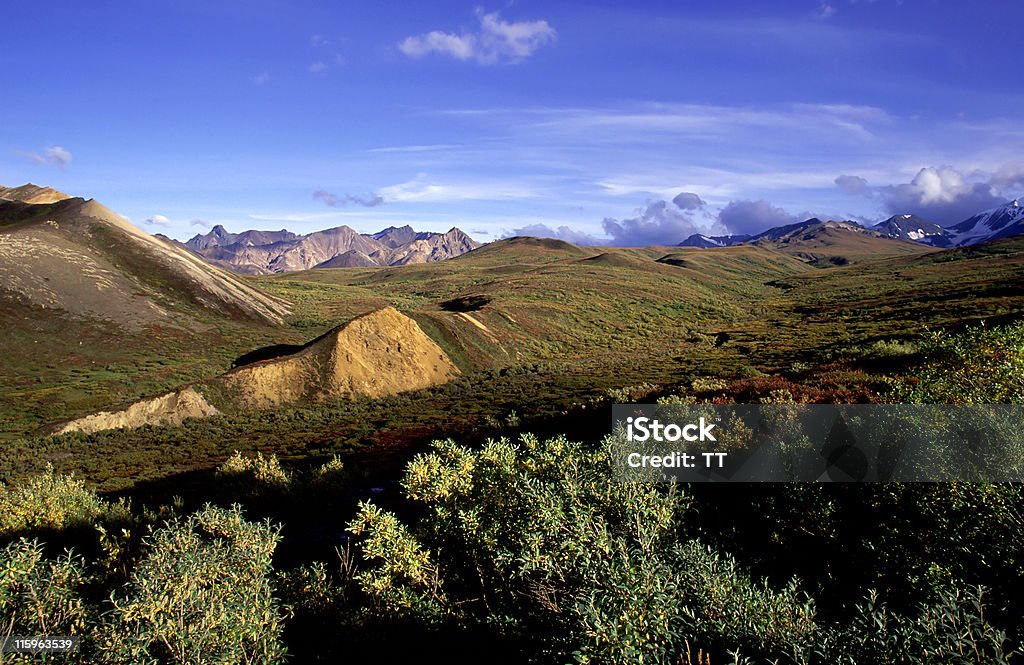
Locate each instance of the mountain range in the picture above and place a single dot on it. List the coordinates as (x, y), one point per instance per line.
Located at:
(999, 222)
(268, 252)
(88, 300)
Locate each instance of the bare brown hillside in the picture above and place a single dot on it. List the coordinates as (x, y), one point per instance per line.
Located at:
(29, 193)
(380, 353)
(77, 258)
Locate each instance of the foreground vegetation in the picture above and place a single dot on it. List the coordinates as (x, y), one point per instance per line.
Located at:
(522, 548)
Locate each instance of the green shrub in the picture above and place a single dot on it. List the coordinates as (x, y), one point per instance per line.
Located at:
(40, 596)
(258, 472)
(891, 348)
(980, 365)
(537, 538)
(48, 501)
(706, 384)
(403, 579)
(330, 472)
(201, 593)
(950, 630)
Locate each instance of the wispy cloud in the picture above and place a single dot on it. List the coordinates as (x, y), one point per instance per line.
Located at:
(416, 148)
(321, 66)
(494, 41)
(327, 55)
(157, 220)
(340, 201)
(54, 155)
(261, 78)
(653, 121)
(423, 188)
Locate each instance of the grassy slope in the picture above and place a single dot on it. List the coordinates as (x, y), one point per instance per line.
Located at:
(54, 366)
(553, 301)
(830, 245)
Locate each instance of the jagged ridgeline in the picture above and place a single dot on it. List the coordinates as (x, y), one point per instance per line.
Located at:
(268, 252)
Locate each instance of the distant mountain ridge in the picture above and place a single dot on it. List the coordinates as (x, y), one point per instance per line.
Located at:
(820, 243)
(268, 252)
(999, 222)
(918, 229)
(706, 241)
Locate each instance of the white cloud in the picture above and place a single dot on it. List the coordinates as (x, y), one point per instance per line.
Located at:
(494, 41)
(57, 155)
(659, 223)
(202, 223)
(463, 47)
(424, 189)
(157, 220)
(52, 154)
(1009, 176)
(561, 233)
(750, 217)
(853, 184)
(942, 194)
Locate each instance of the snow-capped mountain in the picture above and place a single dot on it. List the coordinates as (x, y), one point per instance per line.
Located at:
(1000, 222)
(919, 229)
(704, 242)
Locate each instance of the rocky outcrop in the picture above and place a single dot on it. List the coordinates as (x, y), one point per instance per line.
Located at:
(378, 354)
(170, 409)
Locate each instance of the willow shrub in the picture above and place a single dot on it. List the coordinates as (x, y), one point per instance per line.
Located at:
(980, 365)
(534, 537)
(201, 593)
(41, 596)
(48, 502)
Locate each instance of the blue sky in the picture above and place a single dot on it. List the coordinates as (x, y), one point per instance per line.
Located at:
(628, 123)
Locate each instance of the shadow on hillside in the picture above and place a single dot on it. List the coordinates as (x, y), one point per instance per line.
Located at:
(267, 353)
(465, 303)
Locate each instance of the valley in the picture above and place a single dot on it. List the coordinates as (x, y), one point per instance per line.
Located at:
(551, 326)
(312, 396)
